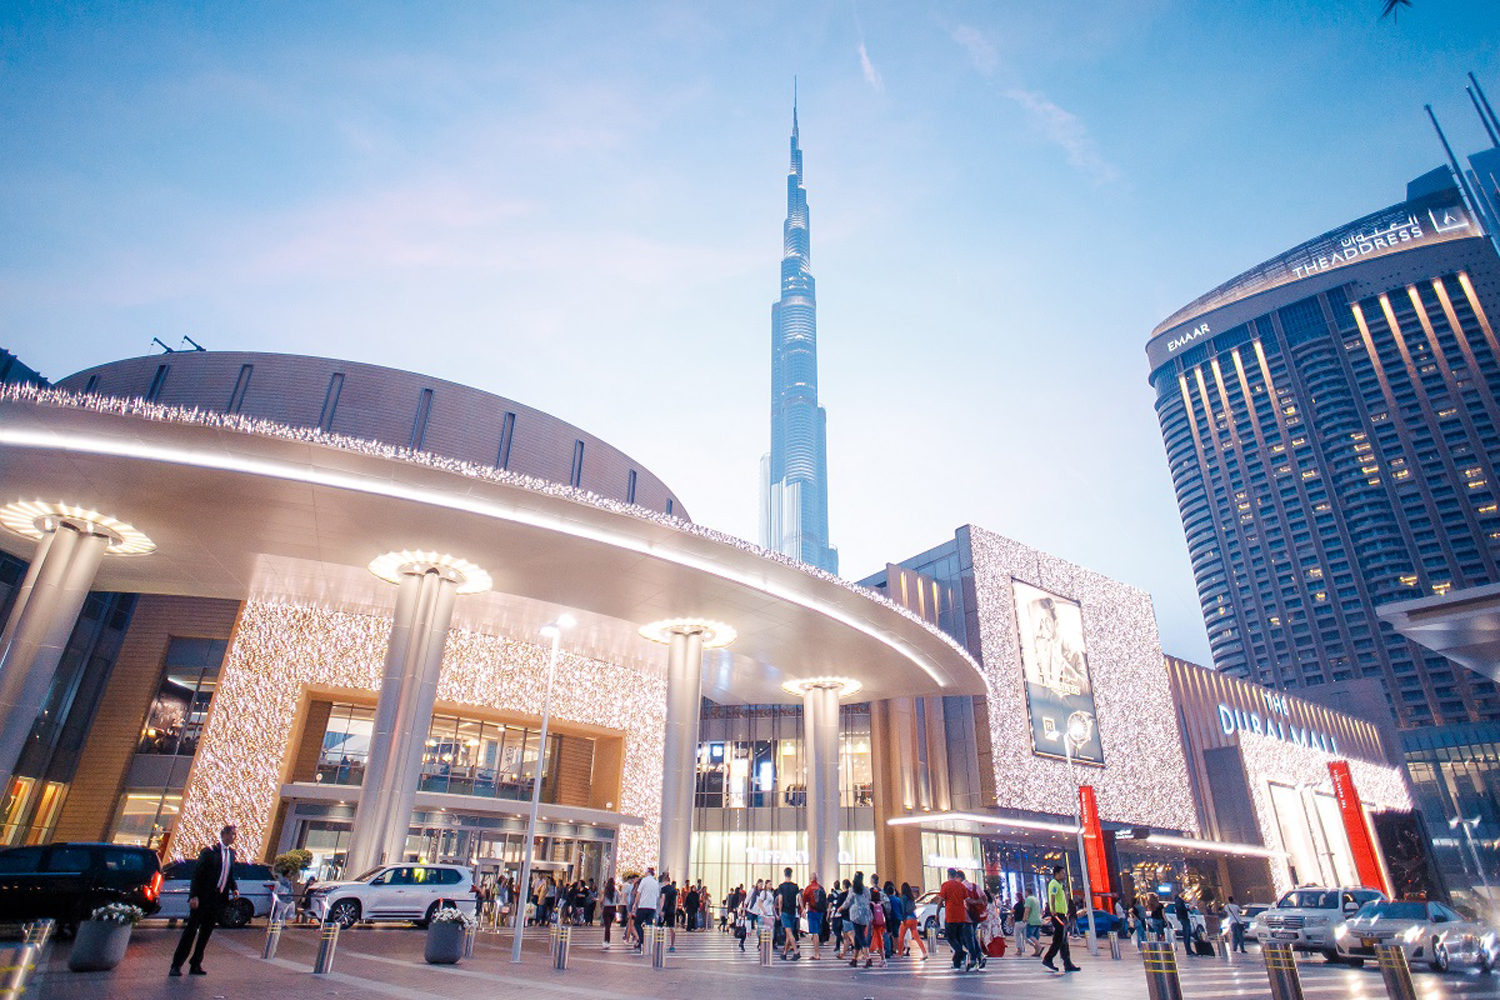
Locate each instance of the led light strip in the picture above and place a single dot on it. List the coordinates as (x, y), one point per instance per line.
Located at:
(1000, 821)
(75, 442)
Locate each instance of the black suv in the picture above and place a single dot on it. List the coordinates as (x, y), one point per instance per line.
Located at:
(68, 881)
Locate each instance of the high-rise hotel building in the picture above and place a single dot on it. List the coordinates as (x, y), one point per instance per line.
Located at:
(1333, 429)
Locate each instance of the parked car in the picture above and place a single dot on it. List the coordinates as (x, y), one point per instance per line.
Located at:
(67, 881)
(1251, 913)
(255, 883)
(1104, 922)
(1195, 917)
(1309, 918)
(394, 892)
(1427, 931)
(930, 913)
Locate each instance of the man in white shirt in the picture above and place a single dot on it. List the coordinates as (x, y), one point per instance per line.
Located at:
(647, 898)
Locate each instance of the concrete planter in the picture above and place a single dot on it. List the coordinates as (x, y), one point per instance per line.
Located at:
(99, 946)
(445, 943)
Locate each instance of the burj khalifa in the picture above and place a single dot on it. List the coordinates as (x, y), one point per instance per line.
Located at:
(794, 474)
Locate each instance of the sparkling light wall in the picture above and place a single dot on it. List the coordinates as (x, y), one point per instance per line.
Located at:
(1145, 779)
(1269, 760)
(278, 650)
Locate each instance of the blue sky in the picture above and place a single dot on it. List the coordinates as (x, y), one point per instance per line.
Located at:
(579, 206)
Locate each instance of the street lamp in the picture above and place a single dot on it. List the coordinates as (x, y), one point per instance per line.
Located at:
(1469, 825)
(1077, 734)
(552, 630)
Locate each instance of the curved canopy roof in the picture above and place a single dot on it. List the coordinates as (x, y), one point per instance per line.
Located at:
(244, 509)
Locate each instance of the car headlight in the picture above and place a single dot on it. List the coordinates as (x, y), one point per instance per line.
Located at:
(1315, 922)
(1342, 932)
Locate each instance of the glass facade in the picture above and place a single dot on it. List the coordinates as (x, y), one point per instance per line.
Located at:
(462, 756)
(175, 720)
(1338, 452)
(1455, 778)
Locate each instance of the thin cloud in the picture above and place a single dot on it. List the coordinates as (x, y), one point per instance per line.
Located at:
(872, 75)
(981, 53)
(1066, 130)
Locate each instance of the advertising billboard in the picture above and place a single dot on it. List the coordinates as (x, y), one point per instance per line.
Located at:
(1054, 660)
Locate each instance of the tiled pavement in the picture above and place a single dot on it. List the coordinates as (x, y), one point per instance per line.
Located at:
(386, 962)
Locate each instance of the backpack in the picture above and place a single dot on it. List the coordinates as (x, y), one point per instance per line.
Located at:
(976, 906)
(820, 900)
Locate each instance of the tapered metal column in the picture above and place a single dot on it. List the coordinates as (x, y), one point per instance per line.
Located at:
(403, 714)
(820, 744)
(680, 758)
(45, 612)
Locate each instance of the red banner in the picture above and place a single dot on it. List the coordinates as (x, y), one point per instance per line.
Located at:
(1093, 847)
(1361, 845)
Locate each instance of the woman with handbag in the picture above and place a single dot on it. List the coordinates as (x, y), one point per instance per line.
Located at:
(858, 908)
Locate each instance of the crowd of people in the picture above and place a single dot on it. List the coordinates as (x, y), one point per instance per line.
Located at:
(858, 921)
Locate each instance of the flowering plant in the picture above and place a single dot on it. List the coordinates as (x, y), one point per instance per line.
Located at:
(452, 915)
(119, 913)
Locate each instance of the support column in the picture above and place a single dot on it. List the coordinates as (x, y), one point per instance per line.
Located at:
(685, 640)
(72, 544)
(679, 774)
(403, 714)
(820, 745)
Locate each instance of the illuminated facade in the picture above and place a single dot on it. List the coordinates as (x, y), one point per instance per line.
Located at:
(794, 474)
(1332, 422)
(318, 590)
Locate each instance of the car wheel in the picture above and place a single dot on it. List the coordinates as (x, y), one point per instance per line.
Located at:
(431, 912)
(237, 914)
(931, 927)
(1440, 959)
(1357, 963)
(345, 913)
(1332, 956)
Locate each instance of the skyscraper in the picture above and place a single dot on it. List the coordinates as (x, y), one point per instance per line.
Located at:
(794, 474)
(1332, 420)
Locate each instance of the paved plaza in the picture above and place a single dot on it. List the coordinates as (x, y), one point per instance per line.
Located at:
(387, 962)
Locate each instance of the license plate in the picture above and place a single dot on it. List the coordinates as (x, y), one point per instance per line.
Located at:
(1369, 942)
(1285, 935)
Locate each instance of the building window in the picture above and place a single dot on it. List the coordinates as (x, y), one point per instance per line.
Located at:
(575, 476)
(346, 745)
(147, 818)
(241, 384)
(419, 425)
(175, 721)
(630, 488)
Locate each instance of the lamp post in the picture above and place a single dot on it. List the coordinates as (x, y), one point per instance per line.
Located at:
(1078, 733)
(553, 631)
(1469, 825)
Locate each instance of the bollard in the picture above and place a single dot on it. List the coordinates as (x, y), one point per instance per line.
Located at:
(471, 933)
(658, 947)
(328, 943)
(1396, 972)
(564, 943)
(1161, 971)
(765, 948)
(1114, 947)
(553, 931)
(273, 938)
(1281, 969)
(38, 932)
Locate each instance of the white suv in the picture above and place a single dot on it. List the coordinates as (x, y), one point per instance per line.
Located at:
(394, 892)
(1308, 919)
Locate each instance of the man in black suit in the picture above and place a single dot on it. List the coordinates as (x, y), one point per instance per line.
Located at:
(211, 890)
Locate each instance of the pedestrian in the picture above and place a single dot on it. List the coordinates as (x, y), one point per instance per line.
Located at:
(1018, 924)
(789, 910)
(211, 889)
(1184, 922)
(1138, 920)
(669, 908)
(690, 901)
(954, 894)
(909, 922)
(836, 918)
(859, 911)
(1034, 922)
(1236, 918)
(647, 899)
(1158, 918)
(978, 908)
(815, 906)
(610, 900)
(1057, 901)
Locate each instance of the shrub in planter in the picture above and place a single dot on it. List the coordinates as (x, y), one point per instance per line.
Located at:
(445, 936)
(103, 938)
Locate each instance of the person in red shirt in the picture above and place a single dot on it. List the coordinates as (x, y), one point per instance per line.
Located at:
(815, 905)
(955, 896)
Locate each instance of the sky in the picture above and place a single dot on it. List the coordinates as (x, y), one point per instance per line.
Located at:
(579, 207)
